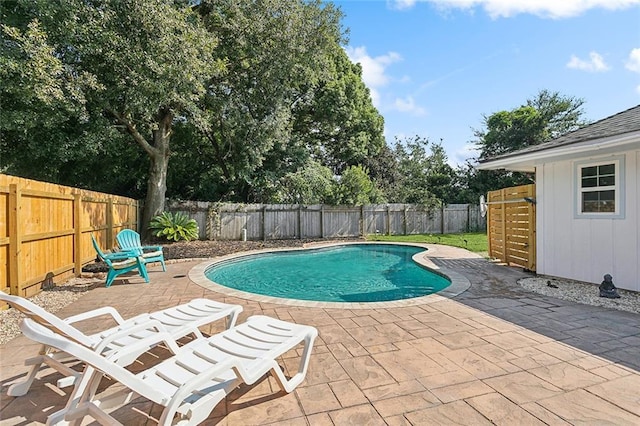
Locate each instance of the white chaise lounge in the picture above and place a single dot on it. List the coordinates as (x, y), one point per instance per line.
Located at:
(175, 323)
(190, 383)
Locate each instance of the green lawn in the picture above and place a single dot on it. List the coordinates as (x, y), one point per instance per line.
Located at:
(472, 241)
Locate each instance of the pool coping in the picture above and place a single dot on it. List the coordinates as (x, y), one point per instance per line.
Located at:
(459, 283)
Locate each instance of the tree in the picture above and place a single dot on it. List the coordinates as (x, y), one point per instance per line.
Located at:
(510, 130)
(312, 184)
(425, 177)
(106, 80)
(471, 183)
(561, 114)
(440, 176)
(356, 188)
(339, 124)
(148, 61)
(43, 116)
(546, 116)
(276, 52)
(383, 170)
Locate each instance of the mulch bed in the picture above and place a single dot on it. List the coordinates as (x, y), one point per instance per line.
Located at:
(208, 249)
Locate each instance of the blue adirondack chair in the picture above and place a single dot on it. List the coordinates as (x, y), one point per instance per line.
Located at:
(129, 240)
(120, 263)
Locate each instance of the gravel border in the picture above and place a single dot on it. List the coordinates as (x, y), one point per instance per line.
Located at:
(581, 292)
(52, 300)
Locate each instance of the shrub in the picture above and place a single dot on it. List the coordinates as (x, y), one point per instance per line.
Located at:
(174, 227)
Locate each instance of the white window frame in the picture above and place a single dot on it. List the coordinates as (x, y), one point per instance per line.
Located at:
(617, 187)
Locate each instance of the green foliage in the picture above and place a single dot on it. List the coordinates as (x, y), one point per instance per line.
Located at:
(312, 184)
(174, 227)
(561, 114)
(475, 242)
(339, 124)
(546, 116)
(356, 188)
(241, 96)
(130, 66)
(43, 118)
(423, 174)
(36, 88)
(275, 52)
(512, 130)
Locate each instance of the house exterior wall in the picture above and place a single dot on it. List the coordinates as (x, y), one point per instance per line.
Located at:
(587, 248)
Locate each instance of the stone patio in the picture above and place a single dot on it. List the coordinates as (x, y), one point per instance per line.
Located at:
(494, 354)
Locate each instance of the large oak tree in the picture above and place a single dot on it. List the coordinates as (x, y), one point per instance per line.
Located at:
(147, 62)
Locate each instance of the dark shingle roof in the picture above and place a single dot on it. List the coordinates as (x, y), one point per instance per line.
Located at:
(623, 122)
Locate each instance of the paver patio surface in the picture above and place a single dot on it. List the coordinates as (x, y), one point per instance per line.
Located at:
(495, 354)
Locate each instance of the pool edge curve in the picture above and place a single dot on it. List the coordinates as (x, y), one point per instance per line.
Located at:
(459, 283)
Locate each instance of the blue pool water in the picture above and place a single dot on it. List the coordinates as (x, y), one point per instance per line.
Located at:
(350, 273)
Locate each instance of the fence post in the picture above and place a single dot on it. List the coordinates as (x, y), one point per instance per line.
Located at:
(77, 237)
(404, 219)
(531, 212)
(109, 223)
(503, 208)
(137, 215)
(264, 223)
(388, 220)
(362, 224)
(15, 240)
(442, 219)
(299, 221)
(322, 221)
(489, 222)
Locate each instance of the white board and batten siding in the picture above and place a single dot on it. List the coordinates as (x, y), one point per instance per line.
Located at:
(586, 249)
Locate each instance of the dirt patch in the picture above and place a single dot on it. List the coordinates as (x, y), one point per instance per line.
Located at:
(209, 249)
(206, 249)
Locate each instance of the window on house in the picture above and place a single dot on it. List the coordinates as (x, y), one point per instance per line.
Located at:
(599, 188)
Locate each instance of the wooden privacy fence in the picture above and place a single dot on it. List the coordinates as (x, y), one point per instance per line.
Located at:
(222, 221)
(45, 231)
(511, 225)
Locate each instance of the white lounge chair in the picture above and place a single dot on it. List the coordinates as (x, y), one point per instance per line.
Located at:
(176, 322)
(193, 381)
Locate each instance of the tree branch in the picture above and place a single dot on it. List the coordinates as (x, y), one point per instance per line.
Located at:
(131, 129)
(219, 156)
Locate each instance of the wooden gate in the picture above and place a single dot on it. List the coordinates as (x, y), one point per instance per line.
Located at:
(511, 225)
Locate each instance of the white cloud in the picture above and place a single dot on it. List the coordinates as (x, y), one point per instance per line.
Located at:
(375, 76)
(400, 4)
(554, 9)
(595, 63)
(373, 69)
(409, 105)
(461, 155)
(633, 64)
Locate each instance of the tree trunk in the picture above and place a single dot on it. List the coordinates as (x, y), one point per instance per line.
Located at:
(158, 163)
(157, 183)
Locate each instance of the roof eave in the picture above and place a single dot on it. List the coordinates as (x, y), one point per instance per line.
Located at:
(527, 162)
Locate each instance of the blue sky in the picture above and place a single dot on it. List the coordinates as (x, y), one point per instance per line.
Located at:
(435, 67)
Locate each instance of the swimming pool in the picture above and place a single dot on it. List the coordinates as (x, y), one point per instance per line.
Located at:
(344, 273)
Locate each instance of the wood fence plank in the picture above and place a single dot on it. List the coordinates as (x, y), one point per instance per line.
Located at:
(46, 229)
(15, 240)
(511, 226)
